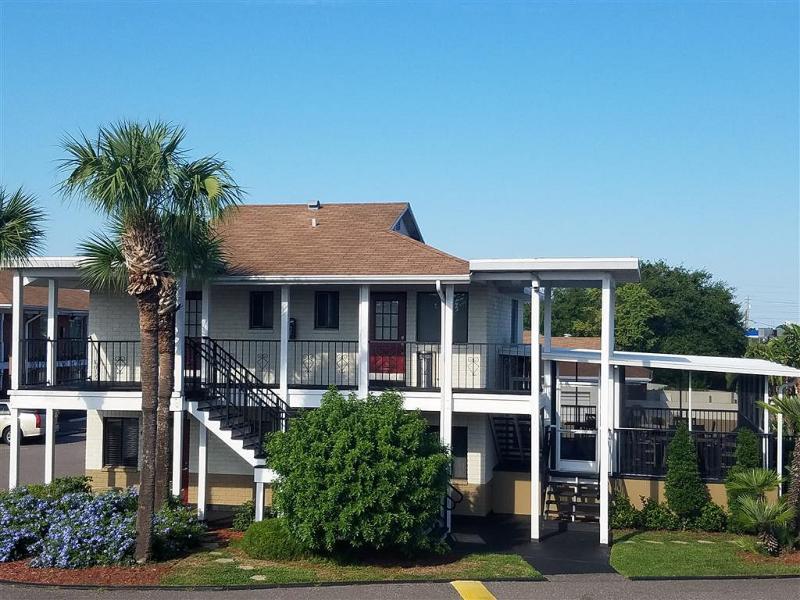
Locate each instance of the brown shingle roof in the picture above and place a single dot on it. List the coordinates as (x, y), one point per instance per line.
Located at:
(68, 299)
(349, 239)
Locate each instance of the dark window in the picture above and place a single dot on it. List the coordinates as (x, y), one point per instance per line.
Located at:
(194, 313)
(121, 442)
(261, 310)
(514, 321)
(458, 451)
(326, 310)
(429, 317)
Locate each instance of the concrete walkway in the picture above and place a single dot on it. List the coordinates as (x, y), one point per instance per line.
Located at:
(561, 587)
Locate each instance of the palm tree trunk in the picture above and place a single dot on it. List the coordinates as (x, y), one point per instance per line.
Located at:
(166, 384)
(148, 359)
(793, 493)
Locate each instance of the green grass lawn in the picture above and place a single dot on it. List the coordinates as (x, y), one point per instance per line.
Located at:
(230, 566)
(684, 553)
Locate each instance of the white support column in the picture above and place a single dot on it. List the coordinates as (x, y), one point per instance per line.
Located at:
(363, 341)
(13, 454)
(548, 320)
(779, 448)
(446, 377)
(202, 469)
(283, 376)
(52, 330)
(606, 402)
(259, 501)
(17, 315)
(765, 426)
(689, 414)
(180, 334)
(177, 451)
(536, 491)
(49, 443)
(619, 386)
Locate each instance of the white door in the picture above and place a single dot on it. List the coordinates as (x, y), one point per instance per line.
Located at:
(576, 447)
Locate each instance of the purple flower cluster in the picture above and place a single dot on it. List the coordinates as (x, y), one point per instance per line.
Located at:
(79, 529)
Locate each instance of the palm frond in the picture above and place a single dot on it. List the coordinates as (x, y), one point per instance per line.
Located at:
(788, 406)
(21, 233)
(752, 482)
(103, 266)
(761, 515)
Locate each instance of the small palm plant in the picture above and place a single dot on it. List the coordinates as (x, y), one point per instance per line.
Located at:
(767, 519)
(789, 407)
(21, 234)
(752, 482)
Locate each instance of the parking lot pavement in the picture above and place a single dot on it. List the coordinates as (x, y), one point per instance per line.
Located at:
(69, 459)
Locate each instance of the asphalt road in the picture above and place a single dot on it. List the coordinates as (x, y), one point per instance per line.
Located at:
(572, 587)
(70, 455)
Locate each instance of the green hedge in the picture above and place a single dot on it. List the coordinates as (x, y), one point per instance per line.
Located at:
(271, 540)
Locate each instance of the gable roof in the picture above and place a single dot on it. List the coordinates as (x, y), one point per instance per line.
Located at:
(347, 239)
(34, 296)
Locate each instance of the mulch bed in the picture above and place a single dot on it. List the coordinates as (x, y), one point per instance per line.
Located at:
(787, 558)
(138, 575)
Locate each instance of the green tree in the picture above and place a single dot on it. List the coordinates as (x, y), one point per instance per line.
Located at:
(21, 233)
(135, 174)
(672, 310)
(685, 491)
(366, 474)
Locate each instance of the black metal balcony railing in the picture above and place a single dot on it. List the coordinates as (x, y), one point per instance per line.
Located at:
(404, 365)
(322, 363)
(261, 357)
(491, 367)
(643, 452)
(81, 363)
(714, 420)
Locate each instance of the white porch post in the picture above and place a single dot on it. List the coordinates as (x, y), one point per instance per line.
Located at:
(606, 401)
(446, 379)
(49, 444)
(52, 330)
(283, 376)
(548, 319)
(13, 455)
(779, 449)
(363, 341)
(180, 334)
(690, 401)
(259, 501)
(202, 469)
(536, 491)
(177, 451)
(765, 426)
(619, 383)
(17, 315)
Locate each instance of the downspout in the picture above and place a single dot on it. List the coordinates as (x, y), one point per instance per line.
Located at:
(439, 290)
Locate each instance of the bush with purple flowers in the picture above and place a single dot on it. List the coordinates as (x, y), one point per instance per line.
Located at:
(79, 529)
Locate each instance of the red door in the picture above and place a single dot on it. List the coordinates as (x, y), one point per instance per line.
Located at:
(387, 358)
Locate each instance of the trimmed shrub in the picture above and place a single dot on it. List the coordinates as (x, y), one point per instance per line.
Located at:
(712, 518)
(60, 487)
(623, 514)
(270, 539)
(359, 474)
(655, 515)
(686, 493)
(176, 529)
(748, 452)
(243, 516)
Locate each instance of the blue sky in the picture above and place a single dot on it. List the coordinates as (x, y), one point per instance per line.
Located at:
(660, 130)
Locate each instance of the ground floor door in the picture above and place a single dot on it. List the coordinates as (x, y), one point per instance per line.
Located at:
(576, 418)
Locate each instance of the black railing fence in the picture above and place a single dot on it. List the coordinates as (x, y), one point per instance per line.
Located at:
(491, 367)
(714, 420)
(33, 365)
(322, 363)
(261, 357)
(404, 365)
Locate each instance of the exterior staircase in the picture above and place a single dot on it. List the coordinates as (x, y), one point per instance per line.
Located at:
(572, 497)
(512, 438)
(230, 401)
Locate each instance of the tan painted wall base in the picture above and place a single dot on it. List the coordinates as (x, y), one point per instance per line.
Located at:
(112, 477)
(477, 498)
(635, 489)
(511, 493)
(227, 490)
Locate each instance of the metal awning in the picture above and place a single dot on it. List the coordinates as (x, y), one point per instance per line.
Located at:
(683, 362)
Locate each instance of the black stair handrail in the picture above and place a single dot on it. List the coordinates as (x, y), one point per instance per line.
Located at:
(241, 393)
(452, 497)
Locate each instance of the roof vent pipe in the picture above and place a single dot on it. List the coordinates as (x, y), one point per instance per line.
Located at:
(313, 222)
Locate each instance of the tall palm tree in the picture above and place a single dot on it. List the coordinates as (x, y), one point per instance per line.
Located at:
(21, 233)
(193, 250)
(789, 407)
(134, 174)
